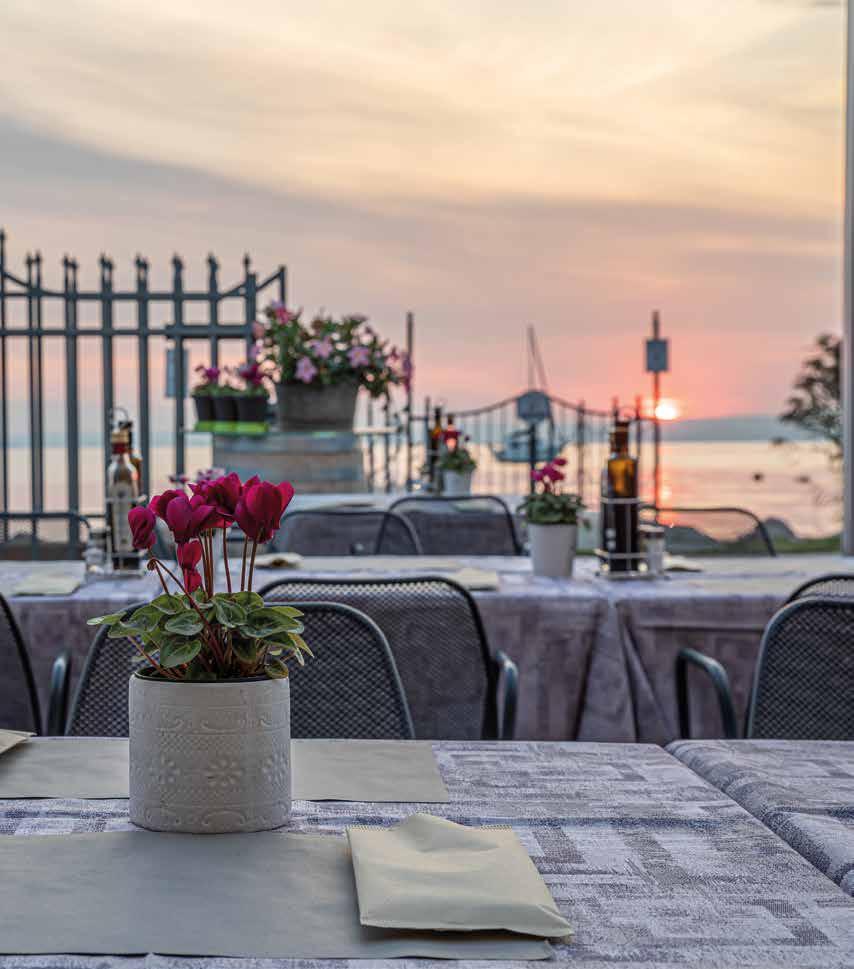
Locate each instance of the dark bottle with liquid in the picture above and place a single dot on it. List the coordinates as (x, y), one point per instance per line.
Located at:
(122, 495)
(620, 518)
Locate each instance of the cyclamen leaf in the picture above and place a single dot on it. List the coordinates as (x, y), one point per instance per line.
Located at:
(287, 611)
(245, 651)
(176, 652)
(186, 624)
(146, 618)
(169, 604)
(300, 643)
(276, 669)
(264, 623)
(109, 620)
(120, 630)
(249, 600)
(229, 614)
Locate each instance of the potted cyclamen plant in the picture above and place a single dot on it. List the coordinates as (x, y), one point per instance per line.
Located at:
(321, 367)
(210, 705)
(552, 517)
(253, 396)
(457, 465)
(204, 392)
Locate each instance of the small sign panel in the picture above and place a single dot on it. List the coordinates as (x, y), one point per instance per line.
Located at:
(533, 406)
(657, 353)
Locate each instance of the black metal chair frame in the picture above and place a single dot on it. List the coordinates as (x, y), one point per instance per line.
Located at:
(452, 499)
(502, 674)
(386, 516)
(720, 679)
(62, 715)
(33, 517)
(20, 646)
(760, 525)
(818, 580)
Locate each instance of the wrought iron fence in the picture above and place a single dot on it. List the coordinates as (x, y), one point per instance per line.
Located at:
(51, 320)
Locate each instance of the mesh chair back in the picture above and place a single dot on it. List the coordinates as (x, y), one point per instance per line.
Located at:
(804, 683)
(336, 531)
(831, 586)
(351, 689)
(19, 702)
(42, 536)
(439, 645)
(711, 531)
(468, 525)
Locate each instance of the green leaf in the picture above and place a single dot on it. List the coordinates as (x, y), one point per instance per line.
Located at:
(249, 600)
(185, 624)
(177, 651)
(276, 669)
(300, 643)
(267, 622)
(169, 604)
(228, 613)
(120, 630)
(146, 618)
(287, 611)
(109, 620)
(246, 650)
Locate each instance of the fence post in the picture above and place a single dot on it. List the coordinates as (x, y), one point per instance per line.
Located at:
(4, 396)
(371, 455)
(213, 308)
(35, 393)
(410, 350)
(386, 445)
(142, 352)
(532, 454)
(250, 300)
(178, 324)
(69, 296)
(105, 294)
(580, 434)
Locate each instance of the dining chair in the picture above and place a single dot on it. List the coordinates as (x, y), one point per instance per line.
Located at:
(832, 585)
(711, 531)
(340, 531)
(349, 690)
(803, 684)
(464, 525)
(42, 535)
(19, 708)
(457, 689)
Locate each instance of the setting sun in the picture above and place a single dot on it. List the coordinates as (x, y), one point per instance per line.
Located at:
(667, 410)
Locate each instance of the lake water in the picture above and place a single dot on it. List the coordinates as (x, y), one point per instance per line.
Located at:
(794, 482)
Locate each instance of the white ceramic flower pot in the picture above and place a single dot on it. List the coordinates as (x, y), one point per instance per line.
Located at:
(553, 549)
(456, 483)
(208, 758)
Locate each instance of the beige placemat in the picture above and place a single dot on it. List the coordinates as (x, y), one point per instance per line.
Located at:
(39, 583)
(11, 738)
(278, 560)
(254, 895)
(323, 770)
(428, 872)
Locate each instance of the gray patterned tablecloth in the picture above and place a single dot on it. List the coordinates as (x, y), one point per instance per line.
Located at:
(801, 789)
(652, 866)
(595, 657)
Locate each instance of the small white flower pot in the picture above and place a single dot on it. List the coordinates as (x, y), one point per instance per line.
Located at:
(455, 483)
(553, 549)
(209, 758)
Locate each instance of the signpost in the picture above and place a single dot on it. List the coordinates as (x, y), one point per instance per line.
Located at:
(657, 363)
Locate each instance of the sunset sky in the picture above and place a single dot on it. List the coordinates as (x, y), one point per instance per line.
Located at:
(485, 164)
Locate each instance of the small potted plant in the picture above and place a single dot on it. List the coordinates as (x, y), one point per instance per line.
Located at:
(204, 392)
(457, 465)
(225, 403)
(253, 396)
(210, 704)
(552, 518)
(320, 367)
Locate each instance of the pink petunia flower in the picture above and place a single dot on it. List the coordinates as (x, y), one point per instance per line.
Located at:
(306, 370)
(359, 356)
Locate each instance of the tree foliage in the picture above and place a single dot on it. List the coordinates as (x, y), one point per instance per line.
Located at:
(815, 403)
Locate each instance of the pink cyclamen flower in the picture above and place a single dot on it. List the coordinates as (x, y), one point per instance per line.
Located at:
(160, 503)
(261, 507)
(283, 315)
(359, 356)
(322, 348)
(143, 524)
(223, 493)
(306, 370)
(188, 518)
(536, 475)
(559, 462)
(189, 555)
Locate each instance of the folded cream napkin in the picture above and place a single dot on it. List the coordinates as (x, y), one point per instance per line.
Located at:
(48, 584)
(429, 873)
(678, 563)
(483, 580)
(11, 738)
